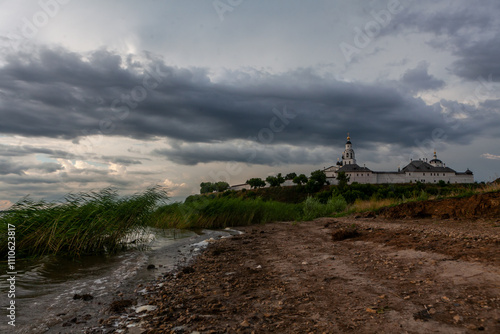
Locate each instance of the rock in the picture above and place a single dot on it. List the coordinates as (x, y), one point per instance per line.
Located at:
(151, 266)
(245, 324)
(119, 306)
(188, 270)
(422, 315)
(145, 308)
(135, 330)
(86, 297)
(179, 329)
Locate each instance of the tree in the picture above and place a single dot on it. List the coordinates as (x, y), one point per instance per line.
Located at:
(301, 179)
(290, 176)
(256, 182)
(221, 186)
(343, 179)
(207, 187)
(319, 177)
(275, 181)
(316, 181)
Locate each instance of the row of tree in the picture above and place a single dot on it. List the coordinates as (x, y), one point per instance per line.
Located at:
(312, 183)
(209, 187)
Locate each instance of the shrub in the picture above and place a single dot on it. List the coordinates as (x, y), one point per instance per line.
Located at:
(336, 204)
(312, 208)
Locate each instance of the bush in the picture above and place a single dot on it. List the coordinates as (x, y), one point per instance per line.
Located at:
(336, 204)
(312, 208)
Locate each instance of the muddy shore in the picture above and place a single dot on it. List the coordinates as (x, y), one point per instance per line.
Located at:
(357, 275)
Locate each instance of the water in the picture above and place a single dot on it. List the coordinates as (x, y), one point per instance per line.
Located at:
(45, 287)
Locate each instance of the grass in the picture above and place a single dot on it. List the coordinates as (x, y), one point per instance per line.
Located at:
(99, 222)
(312, 207)
(372, 204)
(223, 212)
(84, 223)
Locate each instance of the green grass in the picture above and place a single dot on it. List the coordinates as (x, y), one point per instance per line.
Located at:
(223, 212)
(220, 212)
(84, 223)
(312, 207)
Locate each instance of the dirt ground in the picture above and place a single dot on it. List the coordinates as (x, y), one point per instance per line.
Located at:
(336, 275)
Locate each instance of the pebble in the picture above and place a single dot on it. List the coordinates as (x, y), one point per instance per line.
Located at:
(146, 308)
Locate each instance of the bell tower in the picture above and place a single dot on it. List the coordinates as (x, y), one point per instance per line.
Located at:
(348, 155)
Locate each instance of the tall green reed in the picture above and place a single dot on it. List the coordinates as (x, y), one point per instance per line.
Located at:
(84, 223)
(224, 212)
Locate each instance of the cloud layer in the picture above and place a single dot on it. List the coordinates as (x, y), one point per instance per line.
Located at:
(59, 94)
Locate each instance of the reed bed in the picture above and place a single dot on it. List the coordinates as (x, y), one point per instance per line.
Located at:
(223, 212)
(228, 212)
(84, 223)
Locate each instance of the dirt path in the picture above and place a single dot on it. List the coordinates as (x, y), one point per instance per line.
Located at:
(394, 277)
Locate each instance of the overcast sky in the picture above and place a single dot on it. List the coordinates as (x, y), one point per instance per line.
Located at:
(133, 94)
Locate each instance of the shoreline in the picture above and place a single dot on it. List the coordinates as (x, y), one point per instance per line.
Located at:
(395, 276)
(87, 315)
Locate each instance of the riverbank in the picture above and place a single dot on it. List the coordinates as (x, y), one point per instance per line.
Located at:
(64, 296)
(414, 276)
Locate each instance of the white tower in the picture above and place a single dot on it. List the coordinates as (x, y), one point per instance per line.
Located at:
(348, 155)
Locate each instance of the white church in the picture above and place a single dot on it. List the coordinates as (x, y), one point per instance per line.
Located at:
(423, 171)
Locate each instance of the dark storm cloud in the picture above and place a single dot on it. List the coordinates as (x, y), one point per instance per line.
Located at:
(126, 161)
(48, 167)
(479, 61)
(470, 31)
(8, 167)
(452, 20)
(192, 154)
(24, 150)
(418, 79)
(56, 93)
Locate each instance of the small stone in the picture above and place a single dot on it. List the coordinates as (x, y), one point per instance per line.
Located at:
(457, 318)
(432, 311)
(370, 310)
(245, 324)
(446, 299)
(146, 308)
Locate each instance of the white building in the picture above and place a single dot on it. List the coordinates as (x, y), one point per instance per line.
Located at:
(423, 171)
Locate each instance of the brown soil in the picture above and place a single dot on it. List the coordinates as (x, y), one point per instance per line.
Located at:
(480, 205)
(330, 276)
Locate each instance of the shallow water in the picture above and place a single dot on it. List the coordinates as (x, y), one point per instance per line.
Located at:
(45, 287)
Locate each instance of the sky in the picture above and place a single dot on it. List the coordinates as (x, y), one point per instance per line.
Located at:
(134, 94)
